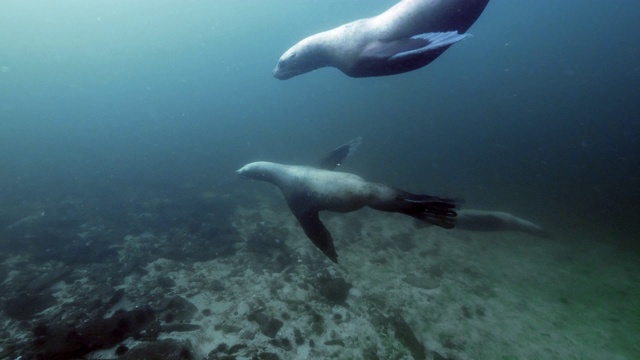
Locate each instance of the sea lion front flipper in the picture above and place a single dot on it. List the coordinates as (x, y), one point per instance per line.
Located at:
(414, 46)
(337, 155)
(317, 233)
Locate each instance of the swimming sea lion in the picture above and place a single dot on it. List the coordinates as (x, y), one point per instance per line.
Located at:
(483, 220)
(408, 36)
(309, 190)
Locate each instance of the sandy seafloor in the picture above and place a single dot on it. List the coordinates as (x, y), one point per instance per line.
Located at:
(460, 294)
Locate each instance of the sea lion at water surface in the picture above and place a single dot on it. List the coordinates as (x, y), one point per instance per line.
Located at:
(408, 36)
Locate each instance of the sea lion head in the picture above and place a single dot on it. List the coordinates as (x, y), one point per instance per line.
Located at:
(259, 170)
(305, 56)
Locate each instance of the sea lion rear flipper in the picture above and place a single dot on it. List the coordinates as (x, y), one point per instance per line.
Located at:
(439, 211)
(417, 45)
(337, 155)
(317, 233)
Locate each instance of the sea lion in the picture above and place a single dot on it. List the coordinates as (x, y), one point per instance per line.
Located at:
(309, 190)
(408, 36)
(484, 220)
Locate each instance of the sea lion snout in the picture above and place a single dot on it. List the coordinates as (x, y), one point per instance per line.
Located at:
(281, 74)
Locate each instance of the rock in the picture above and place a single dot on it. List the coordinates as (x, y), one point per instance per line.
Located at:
(177, 309)
(248, 335)
(298, 337)
(267, 356)
(272, 327)
(56, 341)
(406, 336)
(115, 298)
(25, 306)
(334, 290)
(224, 352)
(165, 282)
(284, 344)
(48, 279)
(121, 350)
(215, 286)
(268, 326)
(101, 292)
(228, 329)
(317, 324)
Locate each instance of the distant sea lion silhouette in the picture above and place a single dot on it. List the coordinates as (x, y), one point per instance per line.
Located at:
(309, 190)
(483, 220)
(408, 36)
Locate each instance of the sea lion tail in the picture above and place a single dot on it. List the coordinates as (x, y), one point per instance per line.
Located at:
(434, 210)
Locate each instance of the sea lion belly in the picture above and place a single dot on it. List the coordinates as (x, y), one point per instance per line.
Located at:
(333, 191)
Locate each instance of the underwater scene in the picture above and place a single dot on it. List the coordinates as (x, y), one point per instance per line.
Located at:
(303, 179)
